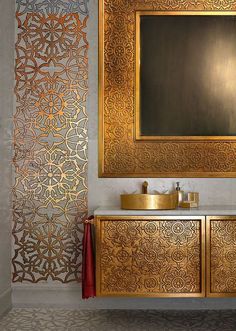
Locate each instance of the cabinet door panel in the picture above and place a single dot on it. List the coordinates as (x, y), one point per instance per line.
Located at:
(143, 256)
(221, 256)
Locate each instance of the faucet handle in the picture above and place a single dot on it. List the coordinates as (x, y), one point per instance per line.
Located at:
(144, 187)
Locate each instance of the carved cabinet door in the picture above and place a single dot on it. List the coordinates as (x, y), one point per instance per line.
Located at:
(150, 256)
(221, 256)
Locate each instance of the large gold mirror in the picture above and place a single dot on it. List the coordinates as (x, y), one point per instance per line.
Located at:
(167, 74)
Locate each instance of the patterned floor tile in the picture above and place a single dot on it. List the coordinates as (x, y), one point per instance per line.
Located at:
(117, 320)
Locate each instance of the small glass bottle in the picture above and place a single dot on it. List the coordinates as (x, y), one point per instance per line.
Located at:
(180, 194)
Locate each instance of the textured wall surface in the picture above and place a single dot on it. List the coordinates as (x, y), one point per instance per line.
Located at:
(50, 139)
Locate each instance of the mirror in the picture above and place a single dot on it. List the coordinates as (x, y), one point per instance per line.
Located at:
(167, 83)
(187, 75)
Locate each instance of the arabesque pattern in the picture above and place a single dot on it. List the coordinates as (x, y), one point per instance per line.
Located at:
(150, 257)
(122, 155)
(50, 139)
(223, 256)
(117, 319)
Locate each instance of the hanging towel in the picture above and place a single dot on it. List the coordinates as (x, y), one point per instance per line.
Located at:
(88, 264)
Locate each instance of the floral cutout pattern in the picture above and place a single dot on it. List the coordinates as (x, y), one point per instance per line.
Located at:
(50, 139)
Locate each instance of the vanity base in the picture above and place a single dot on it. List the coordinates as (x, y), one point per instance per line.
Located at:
(165, 256)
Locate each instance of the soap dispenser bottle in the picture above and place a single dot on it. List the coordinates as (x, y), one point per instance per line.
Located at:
(180, 194)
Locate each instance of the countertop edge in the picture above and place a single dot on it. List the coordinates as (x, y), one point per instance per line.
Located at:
(209, 210)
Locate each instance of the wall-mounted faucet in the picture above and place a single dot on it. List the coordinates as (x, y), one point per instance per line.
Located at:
(144, 187)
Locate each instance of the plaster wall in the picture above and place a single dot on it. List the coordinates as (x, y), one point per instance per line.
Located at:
(101, 191)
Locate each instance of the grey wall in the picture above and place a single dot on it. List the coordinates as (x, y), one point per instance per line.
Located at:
(106, 191)
(7, 12)
(101, 191)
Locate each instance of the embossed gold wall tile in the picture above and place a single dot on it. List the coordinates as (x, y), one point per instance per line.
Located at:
(50, 139)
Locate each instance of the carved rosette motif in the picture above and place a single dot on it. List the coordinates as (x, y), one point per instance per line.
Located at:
(150, 257)
(123, 156)
(50, 140)
(223, 256)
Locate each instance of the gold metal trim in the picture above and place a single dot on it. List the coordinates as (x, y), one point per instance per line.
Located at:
(208, 257)
(120, 154)
(98, 256)
(100, 90)
(208, 273)
(201, 219)
(92, 221)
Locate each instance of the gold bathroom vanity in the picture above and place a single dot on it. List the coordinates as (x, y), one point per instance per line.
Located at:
(165, 254)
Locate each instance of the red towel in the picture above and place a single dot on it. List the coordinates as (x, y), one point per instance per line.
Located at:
(88, 265)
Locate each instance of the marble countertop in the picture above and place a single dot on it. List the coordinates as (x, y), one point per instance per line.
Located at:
(213, 210)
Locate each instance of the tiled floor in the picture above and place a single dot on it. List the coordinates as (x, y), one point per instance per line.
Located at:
(114, 320)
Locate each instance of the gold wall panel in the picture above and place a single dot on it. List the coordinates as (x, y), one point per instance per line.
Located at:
(120, 155)
(221, 256)
(150, 256)
(50, 140)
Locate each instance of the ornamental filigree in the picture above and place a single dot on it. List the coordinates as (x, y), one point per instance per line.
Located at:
(128, 157)
(223, 256)
(50, 140)
(141, 257)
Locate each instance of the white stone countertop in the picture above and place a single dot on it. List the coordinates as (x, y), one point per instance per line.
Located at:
(213, 210)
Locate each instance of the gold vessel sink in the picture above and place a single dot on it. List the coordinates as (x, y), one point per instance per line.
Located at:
(149, 201)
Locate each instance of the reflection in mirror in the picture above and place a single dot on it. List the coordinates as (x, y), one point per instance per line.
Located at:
(187, 75)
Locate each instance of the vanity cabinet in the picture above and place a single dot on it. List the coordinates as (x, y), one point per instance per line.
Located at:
(172, 255)
(152, 256)
(221, 256)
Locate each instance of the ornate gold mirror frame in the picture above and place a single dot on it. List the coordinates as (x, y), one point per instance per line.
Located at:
(120, 153)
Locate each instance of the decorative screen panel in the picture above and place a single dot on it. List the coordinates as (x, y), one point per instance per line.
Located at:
(50, 140)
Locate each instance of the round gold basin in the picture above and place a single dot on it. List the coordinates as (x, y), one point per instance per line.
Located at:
(148, 201)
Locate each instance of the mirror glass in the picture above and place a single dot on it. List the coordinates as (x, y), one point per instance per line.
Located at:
(187, 75)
